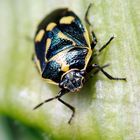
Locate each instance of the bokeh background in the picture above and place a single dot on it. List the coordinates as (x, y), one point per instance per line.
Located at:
(105, 110)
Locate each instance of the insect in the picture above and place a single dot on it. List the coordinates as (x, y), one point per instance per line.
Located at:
(63, 51)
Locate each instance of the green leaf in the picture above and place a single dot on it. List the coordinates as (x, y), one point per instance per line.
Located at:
(105, 109)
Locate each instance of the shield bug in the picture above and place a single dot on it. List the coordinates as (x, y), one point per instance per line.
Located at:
(63, 50)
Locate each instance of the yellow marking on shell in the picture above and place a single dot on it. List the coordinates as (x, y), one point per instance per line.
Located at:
(63, 36)
(48, 43)
(86, 36)
(64, 67)
(66, 20)
(60, 58)
(88, 57)
(50, 26)
(39, 36)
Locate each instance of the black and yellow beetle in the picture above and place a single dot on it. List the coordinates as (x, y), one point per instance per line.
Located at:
(63, 50)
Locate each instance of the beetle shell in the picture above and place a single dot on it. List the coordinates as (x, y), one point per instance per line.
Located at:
(61, 44)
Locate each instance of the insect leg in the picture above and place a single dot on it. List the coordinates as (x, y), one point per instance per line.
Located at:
(107, 43)
(94, 39)
(70, 107)
(86, 14)
(60, 94)
(106, 74)
(90, 68)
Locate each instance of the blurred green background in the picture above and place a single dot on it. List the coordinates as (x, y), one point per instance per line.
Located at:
(105, 110)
